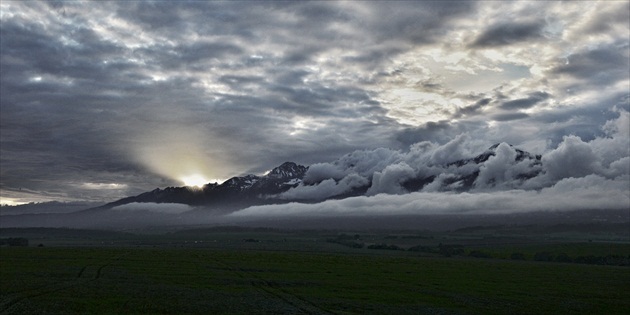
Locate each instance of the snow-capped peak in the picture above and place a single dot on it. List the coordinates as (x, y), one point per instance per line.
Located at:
(288, 170)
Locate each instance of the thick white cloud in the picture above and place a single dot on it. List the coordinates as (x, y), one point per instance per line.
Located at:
(620, 167)
(321, 171)
(573, 158)
(366, 162)
(607, 155)
(614, 146)
(390, 179)
(497, 169)
(589, 193)
(326, 188)
(504, 168)
(452, 151)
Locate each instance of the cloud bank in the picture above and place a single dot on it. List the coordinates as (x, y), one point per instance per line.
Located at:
(576, 175)
(592, 192)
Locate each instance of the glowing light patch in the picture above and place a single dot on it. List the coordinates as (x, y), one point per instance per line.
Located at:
(11, 202)
(302, 125)
(181, 153)
(195, 180)
(100, 186)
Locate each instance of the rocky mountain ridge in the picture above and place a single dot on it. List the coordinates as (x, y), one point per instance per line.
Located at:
(249, 190)
(234, 193)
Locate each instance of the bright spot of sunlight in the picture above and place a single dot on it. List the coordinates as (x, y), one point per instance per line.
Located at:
(194, 180)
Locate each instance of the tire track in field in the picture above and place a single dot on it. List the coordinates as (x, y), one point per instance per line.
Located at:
(303, 305)
(464, 299)
(82, 271)
(100, 270)
(284, 293)
(55, 287)
(4, 306)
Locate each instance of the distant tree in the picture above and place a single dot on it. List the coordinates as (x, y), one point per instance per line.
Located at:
(563, 257)
(479, 254)
(449, 250)
(517, 256)
(424, 249)
(384, 246)
(345, 242)
(617, 260)
(590, 259)
(543, 256)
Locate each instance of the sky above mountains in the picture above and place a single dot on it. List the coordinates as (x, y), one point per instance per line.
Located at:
(102, 100)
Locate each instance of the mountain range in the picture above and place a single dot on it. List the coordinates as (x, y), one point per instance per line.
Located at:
(234, 193)
(437, 187)
(244, 191)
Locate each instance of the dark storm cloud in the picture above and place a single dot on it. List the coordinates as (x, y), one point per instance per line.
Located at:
(600, 66)
(63, 110)
(508, 33)
(237, 81)
(524, 103)
(431, 131)
(438, 132)
(615, 13)
(509, 116)
(584, 121)
(321, 11)
(290, 77)
(193, 53)
(157, 15)
(36, 51)
(322, 101)
(472, 109)
(418, 22)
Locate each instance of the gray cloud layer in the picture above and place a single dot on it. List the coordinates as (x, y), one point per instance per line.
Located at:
(589, 193)
(574, 161)
(577, 175)
(101, 100)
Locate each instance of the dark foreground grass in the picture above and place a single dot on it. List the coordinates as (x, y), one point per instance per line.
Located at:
(213, 281)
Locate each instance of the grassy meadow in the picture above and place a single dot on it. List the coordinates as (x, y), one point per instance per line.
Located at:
(299, 272)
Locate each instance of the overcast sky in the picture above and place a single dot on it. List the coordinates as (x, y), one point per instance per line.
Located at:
(101, 100)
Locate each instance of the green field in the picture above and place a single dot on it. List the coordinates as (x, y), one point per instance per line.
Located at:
(297, 272)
